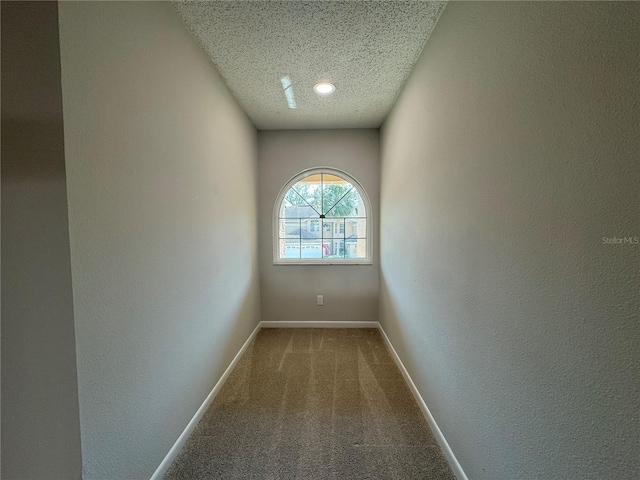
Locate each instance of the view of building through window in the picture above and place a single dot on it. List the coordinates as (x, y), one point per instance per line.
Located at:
(322, 216)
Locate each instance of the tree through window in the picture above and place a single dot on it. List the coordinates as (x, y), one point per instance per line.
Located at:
(324, 197)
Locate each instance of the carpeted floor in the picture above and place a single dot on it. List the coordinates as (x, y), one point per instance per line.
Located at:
(313, 404)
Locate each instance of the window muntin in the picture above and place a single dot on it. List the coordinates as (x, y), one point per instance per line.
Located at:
(321, 217)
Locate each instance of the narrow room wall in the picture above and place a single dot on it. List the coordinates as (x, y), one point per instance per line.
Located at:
(161, 178)
(40, 418)
(509, 236)
(288, 292)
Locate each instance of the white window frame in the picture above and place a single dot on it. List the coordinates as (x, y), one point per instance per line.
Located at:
(321, 261)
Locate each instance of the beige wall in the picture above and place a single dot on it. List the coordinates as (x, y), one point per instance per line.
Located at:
(289, 292)
(40, 425)
(163, 244)
(509, 155)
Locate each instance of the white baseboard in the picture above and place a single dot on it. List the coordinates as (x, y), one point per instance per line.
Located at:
(184, 436)
(319, 324)
(446, 449)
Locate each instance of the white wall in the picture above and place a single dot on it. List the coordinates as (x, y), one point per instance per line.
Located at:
(510, 153)
(289, 292)
(40, 424)
(161, 177)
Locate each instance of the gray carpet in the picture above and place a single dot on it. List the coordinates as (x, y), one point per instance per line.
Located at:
(313, 404)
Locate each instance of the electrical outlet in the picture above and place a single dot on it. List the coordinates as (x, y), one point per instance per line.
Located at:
(320, 300)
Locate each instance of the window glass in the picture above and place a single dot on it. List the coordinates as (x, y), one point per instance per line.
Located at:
(322, 215)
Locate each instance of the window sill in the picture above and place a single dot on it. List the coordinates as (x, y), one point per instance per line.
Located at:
(360, 261)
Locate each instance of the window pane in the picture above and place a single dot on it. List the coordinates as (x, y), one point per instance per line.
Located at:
(292, 198)
(299, 228)
(333, 238)
(310, 229)
(307, 193)
(333, 248)
(343, 201)
(356, 248)
(315, 179)
(311, 249)
(333, 228)
(339, 199)
(288, 248)
(355, 227)
(294, 206)
(289, 228)
(328, 178)
(360, 210)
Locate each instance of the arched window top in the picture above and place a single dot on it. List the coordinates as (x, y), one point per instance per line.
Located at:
(321, 217)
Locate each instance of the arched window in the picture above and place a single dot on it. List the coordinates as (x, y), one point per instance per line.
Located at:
(322, 216)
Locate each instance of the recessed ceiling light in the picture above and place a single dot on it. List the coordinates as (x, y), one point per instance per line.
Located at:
(324, 88)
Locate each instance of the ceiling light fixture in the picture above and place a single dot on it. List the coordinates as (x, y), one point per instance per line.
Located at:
(324, 88)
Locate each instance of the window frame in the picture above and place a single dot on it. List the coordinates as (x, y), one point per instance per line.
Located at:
(322, 261)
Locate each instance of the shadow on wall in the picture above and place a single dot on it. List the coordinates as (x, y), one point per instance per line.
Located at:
(40, 420)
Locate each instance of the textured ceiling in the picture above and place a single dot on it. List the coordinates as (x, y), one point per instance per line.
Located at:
(366, 48)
